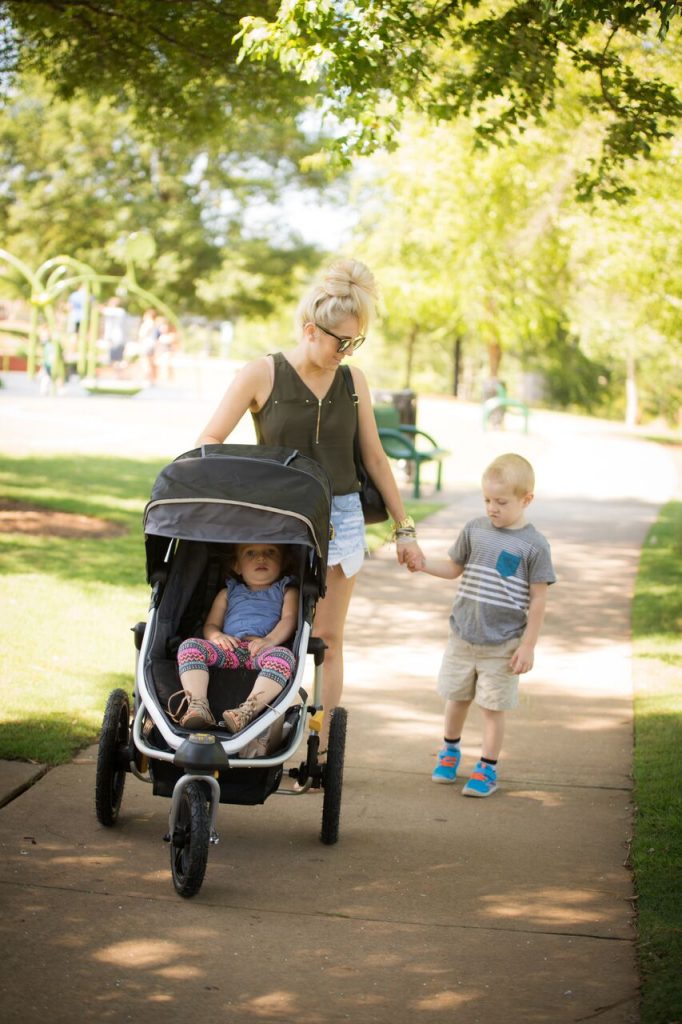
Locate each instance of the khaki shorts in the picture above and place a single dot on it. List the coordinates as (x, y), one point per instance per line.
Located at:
(479, 672)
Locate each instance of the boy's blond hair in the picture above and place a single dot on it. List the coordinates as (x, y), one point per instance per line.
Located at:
(513, 470)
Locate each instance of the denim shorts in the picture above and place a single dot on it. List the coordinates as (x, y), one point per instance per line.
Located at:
(348, 546)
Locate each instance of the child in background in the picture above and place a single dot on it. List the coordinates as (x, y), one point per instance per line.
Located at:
(248, 622)
(495, 622)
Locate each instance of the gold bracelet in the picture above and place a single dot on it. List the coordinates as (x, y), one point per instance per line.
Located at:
(405, 528)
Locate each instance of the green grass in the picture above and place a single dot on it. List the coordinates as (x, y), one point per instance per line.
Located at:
(70, 603)
(657, 844)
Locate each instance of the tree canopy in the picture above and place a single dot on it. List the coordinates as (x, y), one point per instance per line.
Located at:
(227, 65)
(501, 64)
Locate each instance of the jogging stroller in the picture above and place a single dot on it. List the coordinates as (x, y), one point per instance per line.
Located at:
(202, 503)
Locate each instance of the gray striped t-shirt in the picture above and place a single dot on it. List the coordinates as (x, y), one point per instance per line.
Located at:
(494, 590)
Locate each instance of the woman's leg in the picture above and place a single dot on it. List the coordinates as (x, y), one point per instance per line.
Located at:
(330, 620)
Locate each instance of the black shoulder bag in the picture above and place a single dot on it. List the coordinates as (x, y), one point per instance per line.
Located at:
(373, 507)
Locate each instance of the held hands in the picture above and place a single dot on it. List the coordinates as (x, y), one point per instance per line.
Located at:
(410, 555)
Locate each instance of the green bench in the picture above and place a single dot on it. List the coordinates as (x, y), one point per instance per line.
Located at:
(406, 443)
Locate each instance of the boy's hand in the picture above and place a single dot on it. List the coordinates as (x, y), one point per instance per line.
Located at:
(522, 659)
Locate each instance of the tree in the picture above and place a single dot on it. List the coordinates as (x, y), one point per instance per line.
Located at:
(80, 177)
(493, 249)
(503, 67)
(180, 66)
(173, 64)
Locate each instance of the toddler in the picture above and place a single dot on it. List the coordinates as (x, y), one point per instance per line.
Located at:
(249, 621)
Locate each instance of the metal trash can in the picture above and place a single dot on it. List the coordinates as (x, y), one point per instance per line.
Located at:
(405, 402)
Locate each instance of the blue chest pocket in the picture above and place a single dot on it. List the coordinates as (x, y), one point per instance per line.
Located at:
(507, 564)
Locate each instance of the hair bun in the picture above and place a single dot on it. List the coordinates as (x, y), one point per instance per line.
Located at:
(346, 288)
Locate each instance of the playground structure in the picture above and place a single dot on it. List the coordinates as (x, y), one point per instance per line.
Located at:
(53, 282)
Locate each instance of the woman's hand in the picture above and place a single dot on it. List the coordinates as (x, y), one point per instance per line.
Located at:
(410, 554)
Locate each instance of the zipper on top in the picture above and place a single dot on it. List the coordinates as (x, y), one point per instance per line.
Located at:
(319, 414)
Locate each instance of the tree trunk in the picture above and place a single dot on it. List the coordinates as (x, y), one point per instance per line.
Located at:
(457, 364)
(411, 344)
(494, 358)
(631, 399)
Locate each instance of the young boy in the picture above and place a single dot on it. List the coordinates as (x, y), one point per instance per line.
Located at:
(506, 567)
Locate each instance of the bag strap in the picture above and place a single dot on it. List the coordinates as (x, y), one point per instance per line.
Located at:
(348, 380)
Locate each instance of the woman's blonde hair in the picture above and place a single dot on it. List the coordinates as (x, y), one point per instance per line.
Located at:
(347, 288)
(514, 471)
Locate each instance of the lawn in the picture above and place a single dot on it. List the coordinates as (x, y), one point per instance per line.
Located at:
(71, 603)
(657, 845)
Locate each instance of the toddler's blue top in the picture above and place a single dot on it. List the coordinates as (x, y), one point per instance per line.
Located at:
(253, 612)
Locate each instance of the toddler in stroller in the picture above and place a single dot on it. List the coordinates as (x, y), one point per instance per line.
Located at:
(249, 621)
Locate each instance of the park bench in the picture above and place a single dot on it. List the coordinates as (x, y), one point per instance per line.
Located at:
(406, 443)
(495, 408)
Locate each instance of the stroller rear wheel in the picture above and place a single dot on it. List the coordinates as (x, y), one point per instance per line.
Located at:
(332, 777)
(112, 759)
(189, 842)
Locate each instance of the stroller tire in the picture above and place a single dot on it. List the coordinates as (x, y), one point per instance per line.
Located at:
(190, 840)
(332, 777)
(112, 758)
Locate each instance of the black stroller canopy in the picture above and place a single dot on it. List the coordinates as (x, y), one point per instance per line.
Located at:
(239, 493)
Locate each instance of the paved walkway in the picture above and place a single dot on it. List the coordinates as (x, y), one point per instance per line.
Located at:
(431, 908)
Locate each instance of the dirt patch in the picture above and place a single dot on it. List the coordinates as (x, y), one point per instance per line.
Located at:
(20, 517)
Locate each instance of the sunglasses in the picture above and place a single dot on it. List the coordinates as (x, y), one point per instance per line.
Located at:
(344, 343)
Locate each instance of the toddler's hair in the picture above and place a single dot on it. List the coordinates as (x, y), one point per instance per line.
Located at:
(513, 470)
(347, 288)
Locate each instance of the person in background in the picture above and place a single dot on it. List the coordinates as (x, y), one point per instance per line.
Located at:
(147, 336)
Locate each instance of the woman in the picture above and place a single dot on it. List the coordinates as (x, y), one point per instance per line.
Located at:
(299, 399)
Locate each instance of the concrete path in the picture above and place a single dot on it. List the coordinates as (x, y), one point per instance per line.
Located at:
(431, 908)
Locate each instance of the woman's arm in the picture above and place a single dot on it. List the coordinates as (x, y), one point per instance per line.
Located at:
(374, 458)
(250, 389)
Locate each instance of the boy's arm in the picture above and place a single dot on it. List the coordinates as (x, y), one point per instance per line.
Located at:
(444, 568)
(523, 657)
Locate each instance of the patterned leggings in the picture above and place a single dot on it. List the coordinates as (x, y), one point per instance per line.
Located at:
(276, 663)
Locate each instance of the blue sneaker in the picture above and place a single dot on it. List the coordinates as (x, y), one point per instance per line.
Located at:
(483, 781)
(448, 763)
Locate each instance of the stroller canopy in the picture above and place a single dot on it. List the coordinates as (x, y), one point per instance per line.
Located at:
(239, 493)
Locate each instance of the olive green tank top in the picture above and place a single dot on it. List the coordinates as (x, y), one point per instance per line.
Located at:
(322, 429)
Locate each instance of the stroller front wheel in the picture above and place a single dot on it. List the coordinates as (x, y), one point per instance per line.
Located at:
(112, 758)
(189, 841)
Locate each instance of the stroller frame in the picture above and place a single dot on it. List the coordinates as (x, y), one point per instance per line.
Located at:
(213, 496)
